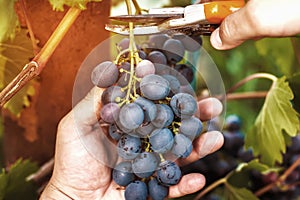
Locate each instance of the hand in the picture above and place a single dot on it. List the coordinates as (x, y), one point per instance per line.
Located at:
(258, 19)
(78, 174)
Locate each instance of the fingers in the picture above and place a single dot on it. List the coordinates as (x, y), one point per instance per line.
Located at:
(188, 184)
(207, 143)
(234, 30)
(209, 108)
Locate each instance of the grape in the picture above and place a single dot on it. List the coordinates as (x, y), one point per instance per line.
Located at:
(136, 190)
(110, 112)
(124, 44)
(233, 123)
(122, 128)
(154, 87)
(105, 74)
(157, 57)
(164, 116)
(148, 107)
(145, 129)
(161, 69)
(112, 94)
(142, 54)
(185, 75)
(114, 132)
(129, 147)
(168, 173)
(122, 173)
(182, 146)
(143, 68)
(191, 127)
(156, 190)
(144, 164)
(125, 66)
(131, 116)
(184, 105)
(161, 140)
(157, 41)
(174, 50)
(192, 43)
(123, 80)
(174, 83)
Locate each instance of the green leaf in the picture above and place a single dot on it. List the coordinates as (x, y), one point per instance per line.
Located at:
(8, 20)
(276, 118)
(13, 56)
(295, 85)
(241, 176)
(13, 185)
(58, 5)
(233, 193)
(279, 52)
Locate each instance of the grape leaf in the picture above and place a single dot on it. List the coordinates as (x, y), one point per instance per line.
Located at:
(241, 176)
(13, 184)
(13, 56)
(233, 193)
(295, 85)
(276, 118)
(58, 5)
(278, 52)
(8, 20)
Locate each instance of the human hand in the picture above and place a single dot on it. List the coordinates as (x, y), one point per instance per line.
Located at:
(78, 174)
(258, 19)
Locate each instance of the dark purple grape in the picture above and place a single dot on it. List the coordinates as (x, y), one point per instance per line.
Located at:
(144, 164)
(122, 174)
(123, 44)
(129, 147)
(144, 68)
(185, 75)
(233, 123)
(157, 57)
(182, 146)
(148, 107)
(105, 74)
(157, 41)
(191, 127)
(174, 50)
(154, 87)
(161, 140)
(136, 190)
(184, 105)
(110, 112)
(156, 190)
(164, 116)
(131, 116)
(168, 173)
(145, 129)
(192, 43)
(174, 84)
(112, 94)
(114, 132)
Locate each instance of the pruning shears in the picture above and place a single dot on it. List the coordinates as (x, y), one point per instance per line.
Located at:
(194, 19)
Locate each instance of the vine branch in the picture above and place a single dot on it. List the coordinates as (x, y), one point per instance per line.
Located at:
(34, 68)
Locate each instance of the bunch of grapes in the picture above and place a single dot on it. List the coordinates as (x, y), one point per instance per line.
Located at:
(149, 106)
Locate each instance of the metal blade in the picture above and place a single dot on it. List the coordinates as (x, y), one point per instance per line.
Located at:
(147, 18)
(196, 29)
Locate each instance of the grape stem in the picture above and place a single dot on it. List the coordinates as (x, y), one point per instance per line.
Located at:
(280, 180)
(211, 187)
(251, 77)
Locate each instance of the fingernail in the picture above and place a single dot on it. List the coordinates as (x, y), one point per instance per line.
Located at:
(215, 39)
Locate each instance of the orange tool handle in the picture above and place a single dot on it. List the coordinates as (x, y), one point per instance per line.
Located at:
(216, 11)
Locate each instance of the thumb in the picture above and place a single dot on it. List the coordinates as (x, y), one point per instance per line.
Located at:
(233, 31)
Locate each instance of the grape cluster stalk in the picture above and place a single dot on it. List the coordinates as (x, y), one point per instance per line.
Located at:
(149, 107)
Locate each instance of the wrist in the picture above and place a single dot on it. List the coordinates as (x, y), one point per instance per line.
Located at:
(52, 192)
